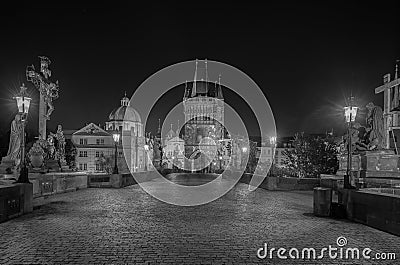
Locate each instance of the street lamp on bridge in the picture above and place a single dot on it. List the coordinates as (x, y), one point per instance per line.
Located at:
(23, 104)
(272, 141)
(350, 113)
(116, 137)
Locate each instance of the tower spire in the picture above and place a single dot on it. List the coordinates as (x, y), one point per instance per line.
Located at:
(206, 75)
(397, 69)
(177, 130)
(195, 81)
(159, 126)
(219, 92)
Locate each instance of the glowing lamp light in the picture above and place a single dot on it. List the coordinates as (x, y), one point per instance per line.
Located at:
(244, 149)
(272, 140)
(220, 158)
(116, 137)
(350, 113)
(146, 147)
(23, 104)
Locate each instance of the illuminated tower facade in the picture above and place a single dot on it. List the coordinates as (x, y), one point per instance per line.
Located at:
(204, 115)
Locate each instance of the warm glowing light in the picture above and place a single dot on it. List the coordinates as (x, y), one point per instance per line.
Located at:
(272, 140)
(220, 158)
(23, 104)
(350, 113)
(244, 149)
(116, 137)
(146, 147)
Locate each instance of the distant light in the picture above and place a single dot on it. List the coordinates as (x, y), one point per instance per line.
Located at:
(272, 140)
(350, 113)
(244, 149)
(146, 147)
(116, 137)
(23, 104)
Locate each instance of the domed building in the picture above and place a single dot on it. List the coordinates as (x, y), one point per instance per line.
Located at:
(173, 149)
(95, 145)
(124, 118)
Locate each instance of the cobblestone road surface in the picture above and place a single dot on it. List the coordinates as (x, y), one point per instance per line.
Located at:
(128, 226)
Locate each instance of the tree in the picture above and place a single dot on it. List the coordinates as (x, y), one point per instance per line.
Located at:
(311, 156)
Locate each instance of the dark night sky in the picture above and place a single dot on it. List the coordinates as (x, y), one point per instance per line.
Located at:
(307, 58)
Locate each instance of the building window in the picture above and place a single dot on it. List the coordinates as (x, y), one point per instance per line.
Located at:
(80, 166)
(80, 155)
(97, 154)
(84, 153)
(97, 167)
(101, 141)
(85, 166)
(80, 141)
(97, 141)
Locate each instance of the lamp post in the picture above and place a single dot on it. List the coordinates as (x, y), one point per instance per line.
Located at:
(350, 113)
(23, 104)
(146, 149)
(244, 150)
(272, 141)
(116, 137)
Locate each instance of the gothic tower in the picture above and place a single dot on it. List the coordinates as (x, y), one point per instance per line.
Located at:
(204, 113)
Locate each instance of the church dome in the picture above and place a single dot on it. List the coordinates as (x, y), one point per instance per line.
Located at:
(125, 112)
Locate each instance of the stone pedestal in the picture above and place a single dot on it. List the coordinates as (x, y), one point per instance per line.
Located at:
(52, 165)
(372, 168)
(7, 166)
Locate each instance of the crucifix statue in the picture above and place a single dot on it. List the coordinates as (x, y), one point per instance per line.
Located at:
(391, 110)
(48, 92)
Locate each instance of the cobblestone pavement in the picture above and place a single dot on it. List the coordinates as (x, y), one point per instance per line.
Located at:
(128, 226)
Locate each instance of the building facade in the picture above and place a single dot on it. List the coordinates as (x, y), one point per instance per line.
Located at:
(173, 149)
(203, 104)
(92, 143)
(126, 121)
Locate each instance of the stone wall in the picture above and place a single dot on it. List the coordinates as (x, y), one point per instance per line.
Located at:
(284, 183)
(52, 183)
(120, 180)
(375, 209)
(15, 200)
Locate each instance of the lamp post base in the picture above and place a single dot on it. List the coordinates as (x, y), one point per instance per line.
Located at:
(23, 176)
(115, 171)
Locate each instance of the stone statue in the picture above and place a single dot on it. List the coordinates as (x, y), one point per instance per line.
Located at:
(48, 89)
(375, 128)
(60, 150)
(51, 94)
(14, 148)
(50, 147)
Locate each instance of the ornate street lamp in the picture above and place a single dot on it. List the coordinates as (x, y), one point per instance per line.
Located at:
(23, 104)
(350, 113)
(272, 141)
(116, 137)
(244, 150)
(146, 149)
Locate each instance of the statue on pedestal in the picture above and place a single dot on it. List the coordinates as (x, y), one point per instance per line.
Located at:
(51, 149)
(14, 147)
(60, 150)
(375, 127)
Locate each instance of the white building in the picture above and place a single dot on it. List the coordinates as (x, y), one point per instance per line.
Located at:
(173, 149)
(126, 121)
(91, 143)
